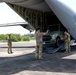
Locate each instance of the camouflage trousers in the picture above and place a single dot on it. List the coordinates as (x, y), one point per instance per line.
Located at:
(9, 49)
(67, 46)
(38, 53)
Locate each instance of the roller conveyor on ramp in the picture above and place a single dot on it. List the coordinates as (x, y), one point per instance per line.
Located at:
(53, 49)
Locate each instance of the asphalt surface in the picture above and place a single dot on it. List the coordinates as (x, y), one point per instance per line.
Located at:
(22, 61)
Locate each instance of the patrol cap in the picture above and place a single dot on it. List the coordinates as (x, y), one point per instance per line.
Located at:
(38, 29)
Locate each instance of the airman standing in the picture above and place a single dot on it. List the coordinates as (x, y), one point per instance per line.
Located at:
(9, 44)
(67, 41)
(38, 36)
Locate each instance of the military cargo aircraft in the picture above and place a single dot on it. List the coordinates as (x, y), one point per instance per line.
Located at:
(51, 14)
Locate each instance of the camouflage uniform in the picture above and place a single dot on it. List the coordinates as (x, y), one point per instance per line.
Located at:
(67, 42)
(9, 44)
(38, 36)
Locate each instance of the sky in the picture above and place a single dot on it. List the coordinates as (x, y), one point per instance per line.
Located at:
(7, 15)
(14, 29)
(70, 3)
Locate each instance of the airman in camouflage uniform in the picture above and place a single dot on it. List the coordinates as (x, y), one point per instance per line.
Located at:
(38, 36)
(67, 41)
(9, 44)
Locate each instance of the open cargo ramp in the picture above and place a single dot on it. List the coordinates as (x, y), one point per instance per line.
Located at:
(64, 10)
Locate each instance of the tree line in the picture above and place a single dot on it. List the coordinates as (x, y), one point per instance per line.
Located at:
(17, 37)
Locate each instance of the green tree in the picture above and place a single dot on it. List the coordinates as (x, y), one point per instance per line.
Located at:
(25, 38)
(14, 38)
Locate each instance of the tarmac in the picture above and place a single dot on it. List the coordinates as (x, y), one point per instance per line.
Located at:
(22, 61)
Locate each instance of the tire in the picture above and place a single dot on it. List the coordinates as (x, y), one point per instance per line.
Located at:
(58, 42)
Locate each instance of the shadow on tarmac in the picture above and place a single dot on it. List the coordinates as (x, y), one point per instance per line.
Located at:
(50, 63)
